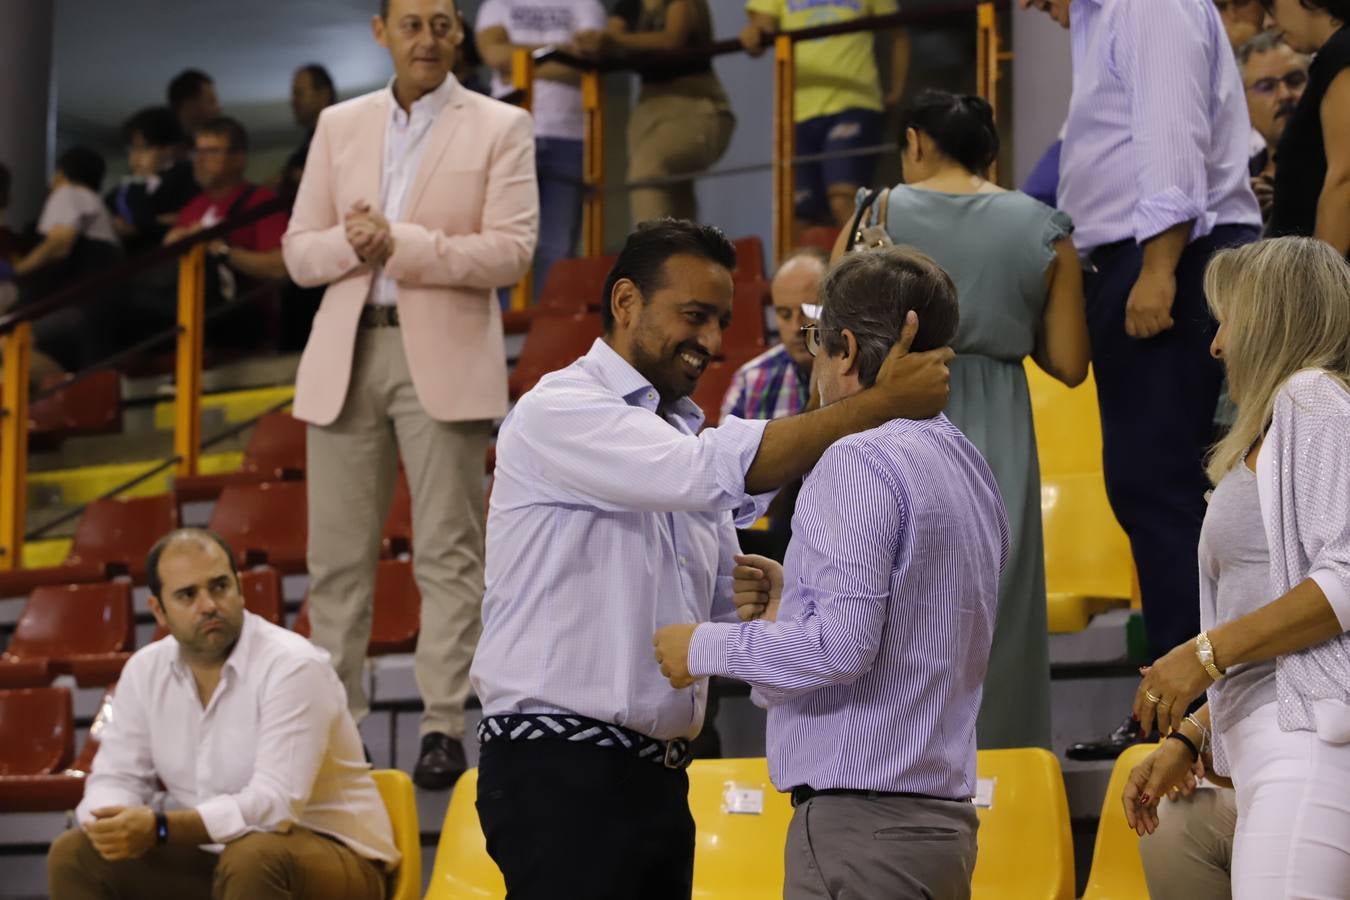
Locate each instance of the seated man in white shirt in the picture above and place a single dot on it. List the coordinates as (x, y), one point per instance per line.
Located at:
(267, 793)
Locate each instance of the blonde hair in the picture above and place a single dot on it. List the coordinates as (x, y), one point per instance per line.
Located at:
(1285, 306)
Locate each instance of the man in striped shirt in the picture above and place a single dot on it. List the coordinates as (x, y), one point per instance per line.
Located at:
(872, 667)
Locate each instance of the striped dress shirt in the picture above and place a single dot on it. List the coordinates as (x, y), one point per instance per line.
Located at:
(1158, 130)
(607, 521)
(873, 672)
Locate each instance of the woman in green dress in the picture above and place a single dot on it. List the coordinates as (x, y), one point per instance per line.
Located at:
(1021, 294)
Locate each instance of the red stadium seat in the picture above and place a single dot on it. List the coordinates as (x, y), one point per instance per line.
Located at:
(822, 236)
(397, 613)
(576, 285)
(38, 728)
(554, 341)
(262, 597)
(55, 790)
(275, 452)
(712, 386)
(87, 630)
(92, 405)
(746, 334)
(113, 538)
(264, 524)
(749, 259)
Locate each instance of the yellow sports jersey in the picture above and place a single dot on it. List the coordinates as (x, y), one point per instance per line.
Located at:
(834, 73)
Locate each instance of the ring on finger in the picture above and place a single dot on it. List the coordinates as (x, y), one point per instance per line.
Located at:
(1152, 697)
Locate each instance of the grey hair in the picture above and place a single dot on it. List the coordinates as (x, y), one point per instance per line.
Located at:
(869, 292)
(1264, 42)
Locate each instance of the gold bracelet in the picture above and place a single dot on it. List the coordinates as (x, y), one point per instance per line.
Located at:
(1204, 651)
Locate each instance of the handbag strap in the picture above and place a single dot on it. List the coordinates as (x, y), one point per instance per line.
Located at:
(874, 207)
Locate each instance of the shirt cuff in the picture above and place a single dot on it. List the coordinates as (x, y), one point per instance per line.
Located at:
(99, 798)
(222, 818)
(709, 649)
(1165, 209)
(1337, 595)
(738, 443)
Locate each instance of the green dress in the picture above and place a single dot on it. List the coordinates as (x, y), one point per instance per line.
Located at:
(997, 248)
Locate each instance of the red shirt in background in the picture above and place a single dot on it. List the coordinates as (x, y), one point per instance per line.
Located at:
(263, 235)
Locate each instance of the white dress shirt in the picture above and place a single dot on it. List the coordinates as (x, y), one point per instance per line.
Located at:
(608, 521)
(405, 142)
(274, 747)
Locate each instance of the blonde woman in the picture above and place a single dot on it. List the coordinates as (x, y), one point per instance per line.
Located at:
(1275, 582)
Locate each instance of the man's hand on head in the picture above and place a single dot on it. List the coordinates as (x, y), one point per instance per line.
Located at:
(122, 832)
(671, 647)
(914, 385)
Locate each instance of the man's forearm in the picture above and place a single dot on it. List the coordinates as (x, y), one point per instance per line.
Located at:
(1162, 252)
(186, 827)
(791, 446)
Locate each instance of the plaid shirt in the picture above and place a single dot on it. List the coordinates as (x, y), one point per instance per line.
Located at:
(767, 387)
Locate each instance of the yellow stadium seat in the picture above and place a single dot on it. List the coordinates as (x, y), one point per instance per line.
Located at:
(463, 868)
(1117, 870)
(396, 789)
(739, 854)
(1026, 847)
(1088, 564)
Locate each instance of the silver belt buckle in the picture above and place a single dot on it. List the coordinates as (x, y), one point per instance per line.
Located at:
(678, 754)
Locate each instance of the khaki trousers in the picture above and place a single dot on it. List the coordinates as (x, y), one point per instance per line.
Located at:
(353, 467)
(258, 866)
(1190, 856)
(844, 847)
(673, 134)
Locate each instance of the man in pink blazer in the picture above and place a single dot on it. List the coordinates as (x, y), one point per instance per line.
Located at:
(417, 201)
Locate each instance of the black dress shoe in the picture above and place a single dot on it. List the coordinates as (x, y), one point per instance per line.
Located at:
(440, 763)
(1114, 744)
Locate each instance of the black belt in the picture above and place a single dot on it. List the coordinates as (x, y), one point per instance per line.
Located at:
(803, 792)
(1099, 255)
(375, 315)
(673, 754)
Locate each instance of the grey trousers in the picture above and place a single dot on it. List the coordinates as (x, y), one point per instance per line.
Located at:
(1190, 856)
(844, 847)
(353, 467)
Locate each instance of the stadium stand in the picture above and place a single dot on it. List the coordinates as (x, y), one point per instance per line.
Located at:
(85, 630)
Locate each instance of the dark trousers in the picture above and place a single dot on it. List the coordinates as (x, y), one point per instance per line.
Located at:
(1157, 399)
(566, 819)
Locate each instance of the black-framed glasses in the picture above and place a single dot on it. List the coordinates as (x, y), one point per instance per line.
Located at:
(1293, 80)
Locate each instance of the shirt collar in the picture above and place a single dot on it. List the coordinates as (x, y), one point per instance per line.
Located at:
(428, 105)
(616, 374)
(237, 656)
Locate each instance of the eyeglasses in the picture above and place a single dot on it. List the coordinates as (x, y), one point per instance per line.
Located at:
(812, 334)
(1292, 80)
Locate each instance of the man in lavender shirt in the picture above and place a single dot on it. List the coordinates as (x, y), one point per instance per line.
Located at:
(872, 666)
(1154, 174)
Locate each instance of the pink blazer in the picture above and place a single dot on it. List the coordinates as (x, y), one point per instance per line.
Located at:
(470, 223)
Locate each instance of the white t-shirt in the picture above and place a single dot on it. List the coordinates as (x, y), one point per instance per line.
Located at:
(75, 206)
(557, 106)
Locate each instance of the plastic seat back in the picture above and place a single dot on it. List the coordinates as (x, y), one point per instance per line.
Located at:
(37, 731)
(463, 868)
(746, 334)
(276, 449)
(60, 623)
(749, 259)
(397, 614)
(1117, 869)
(396, 790)
(576, 284)
(122, 531)
(1025, 843)
(741, 824)
(264, 523)
(553, 342)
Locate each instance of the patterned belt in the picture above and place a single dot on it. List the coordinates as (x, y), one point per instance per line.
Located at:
(674, 754)
(375, 315)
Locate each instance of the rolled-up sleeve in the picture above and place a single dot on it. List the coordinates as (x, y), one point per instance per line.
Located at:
(123, 773)
(1168, 72)
(295, 721)
(583, 444)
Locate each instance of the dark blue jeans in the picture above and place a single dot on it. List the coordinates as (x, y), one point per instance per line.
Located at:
(1157, 398)
(559, 162)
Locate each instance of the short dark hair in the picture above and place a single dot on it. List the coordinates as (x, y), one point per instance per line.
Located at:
(319, 77)
(643, 257)
(181, 534)
(82, 166)
(962, 126)
(157, 126)
(226, 127)
(1337, 9)
(187, 86)
(870, 292)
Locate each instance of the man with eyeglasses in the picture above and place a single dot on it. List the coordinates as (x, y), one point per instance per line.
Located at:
(869, 646)
(1274, 75)
(417, 202)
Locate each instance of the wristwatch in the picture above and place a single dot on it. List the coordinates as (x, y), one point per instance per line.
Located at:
(1204, 651)
(161, 828)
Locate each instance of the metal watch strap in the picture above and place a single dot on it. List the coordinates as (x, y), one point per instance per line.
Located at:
(1204, 652)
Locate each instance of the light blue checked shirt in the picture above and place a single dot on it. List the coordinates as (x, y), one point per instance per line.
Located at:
(1158, 132)
(607, 522)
